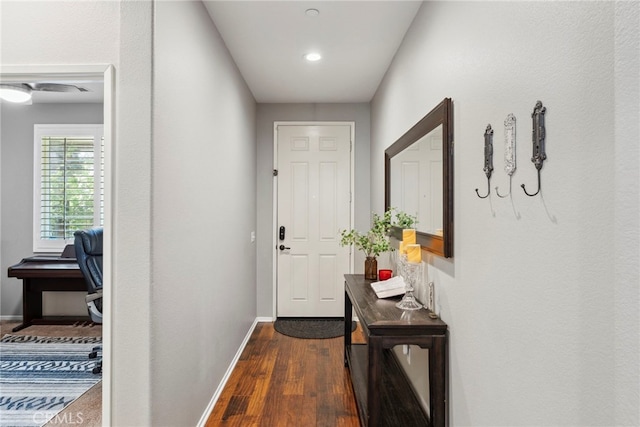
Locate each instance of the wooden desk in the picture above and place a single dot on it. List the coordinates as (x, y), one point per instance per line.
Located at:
(383, 392)
(46, 274)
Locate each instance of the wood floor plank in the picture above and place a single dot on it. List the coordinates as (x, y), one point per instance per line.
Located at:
(282, 381)
(294, 379)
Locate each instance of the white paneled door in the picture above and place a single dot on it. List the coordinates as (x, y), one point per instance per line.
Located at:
(314, 173)
(416, 179)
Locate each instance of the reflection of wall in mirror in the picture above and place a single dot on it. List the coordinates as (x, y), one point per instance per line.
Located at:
(416, 181)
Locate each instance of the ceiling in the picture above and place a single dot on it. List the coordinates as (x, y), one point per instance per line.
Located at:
(267, 40)
(357, 41)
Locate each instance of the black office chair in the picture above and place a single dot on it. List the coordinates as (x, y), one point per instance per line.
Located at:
(88, 246)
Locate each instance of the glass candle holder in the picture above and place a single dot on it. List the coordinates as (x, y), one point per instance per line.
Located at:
(411, 272)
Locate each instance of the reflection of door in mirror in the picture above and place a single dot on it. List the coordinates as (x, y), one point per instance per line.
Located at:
(416, 181)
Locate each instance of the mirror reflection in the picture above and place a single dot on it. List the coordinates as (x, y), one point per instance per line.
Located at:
(419, 178)
(416, 182)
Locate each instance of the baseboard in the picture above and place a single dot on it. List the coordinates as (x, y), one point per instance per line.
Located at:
(11, 318)
(225, 378)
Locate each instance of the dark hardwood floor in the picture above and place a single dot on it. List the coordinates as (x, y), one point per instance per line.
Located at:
(284, 381)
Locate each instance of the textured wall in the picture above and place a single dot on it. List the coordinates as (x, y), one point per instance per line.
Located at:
(204, 210)
(626, 229)
(532, 290)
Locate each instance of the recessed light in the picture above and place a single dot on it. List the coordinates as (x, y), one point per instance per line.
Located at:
(313, 57)
(312, 12)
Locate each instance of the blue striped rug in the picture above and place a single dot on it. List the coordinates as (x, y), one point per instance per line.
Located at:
(40, 376)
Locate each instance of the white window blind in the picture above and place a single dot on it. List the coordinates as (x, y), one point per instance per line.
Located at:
(69, 183)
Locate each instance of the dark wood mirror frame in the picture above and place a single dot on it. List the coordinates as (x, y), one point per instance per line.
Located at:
(442, 114)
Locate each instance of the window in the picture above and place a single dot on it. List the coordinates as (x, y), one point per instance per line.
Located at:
(68, 183)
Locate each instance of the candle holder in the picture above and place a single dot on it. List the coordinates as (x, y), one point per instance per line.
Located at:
(384, 274)
(411, 273)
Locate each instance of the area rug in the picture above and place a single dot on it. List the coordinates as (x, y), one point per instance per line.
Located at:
(312, 328)
(40, 376)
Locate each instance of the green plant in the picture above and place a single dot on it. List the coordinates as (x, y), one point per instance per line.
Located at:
(404, 220)
(375, 241)
(372, 243)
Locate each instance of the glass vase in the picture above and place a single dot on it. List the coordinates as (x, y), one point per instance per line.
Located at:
(411, 272)
(371, 268)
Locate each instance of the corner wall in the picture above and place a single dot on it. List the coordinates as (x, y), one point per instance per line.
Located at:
(541, 296)
(204, 210)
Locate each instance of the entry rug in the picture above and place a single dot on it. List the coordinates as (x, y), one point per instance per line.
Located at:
(311, 328)
(40, 376)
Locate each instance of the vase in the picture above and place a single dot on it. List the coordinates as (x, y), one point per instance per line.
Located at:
(371, 268)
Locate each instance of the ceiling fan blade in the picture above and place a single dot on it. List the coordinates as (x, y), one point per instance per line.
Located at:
(57, 87)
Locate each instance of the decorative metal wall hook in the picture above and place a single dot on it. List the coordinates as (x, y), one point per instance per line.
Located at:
(488, 159)
(538, 136)
(509, 150)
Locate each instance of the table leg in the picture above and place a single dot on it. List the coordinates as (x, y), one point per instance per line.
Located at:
(347, 326)
(31, 304)
(20, 327)
(437, 382)
(375, 381)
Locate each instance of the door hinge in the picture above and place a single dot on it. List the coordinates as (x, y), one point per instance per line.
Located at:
(275, 172)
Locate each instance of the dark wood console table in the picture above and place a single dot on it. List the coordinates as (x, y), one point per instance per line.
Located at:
(46, 274)
(383, 392)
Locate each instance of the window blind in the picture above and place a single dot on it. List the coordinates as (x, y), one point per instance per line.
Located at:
(68, 174)
(68, 192)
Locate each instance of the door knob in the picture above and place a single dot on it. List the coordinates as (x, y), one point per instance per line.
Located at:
(283, 247)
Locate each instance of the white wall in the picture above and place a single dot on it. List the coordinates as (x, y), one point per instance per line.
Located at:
(541, 296)
(16, 138)
(204, 210)
(267, 114)
(626, 231)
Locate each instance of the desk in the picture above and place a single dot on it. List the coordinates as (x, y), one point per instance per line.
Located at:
(383, 392)
(46, 274)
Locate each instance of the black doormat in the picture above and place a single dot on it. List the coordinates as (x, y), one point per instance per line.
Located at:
(311, 327)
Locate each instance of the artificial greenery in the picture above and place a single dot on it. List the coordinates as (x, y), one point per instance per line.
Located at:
(404, 220)
(375, 241)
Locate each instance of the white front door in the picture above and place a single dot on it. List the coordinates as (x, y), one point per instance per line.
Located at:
(313, 187)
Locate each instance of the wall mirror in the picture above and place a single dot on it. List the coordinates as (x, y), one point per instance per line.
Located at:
(418, 170)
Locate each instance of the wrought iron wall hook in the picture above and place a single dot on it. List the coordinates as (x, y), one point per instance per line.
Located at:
(488, 191)
(538, 136)
(525, 190)
(488, 159)
(509, 150)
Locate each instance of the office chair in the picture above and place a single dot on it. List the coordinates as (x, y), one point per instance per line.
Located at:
(88, 246)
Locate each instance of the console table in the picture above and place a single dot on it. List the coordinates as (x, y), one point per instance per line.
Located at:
(46, 274)
(383, 392)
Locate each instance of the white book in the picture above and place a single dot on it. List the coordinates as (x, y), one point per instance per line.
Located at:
(389, 288)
